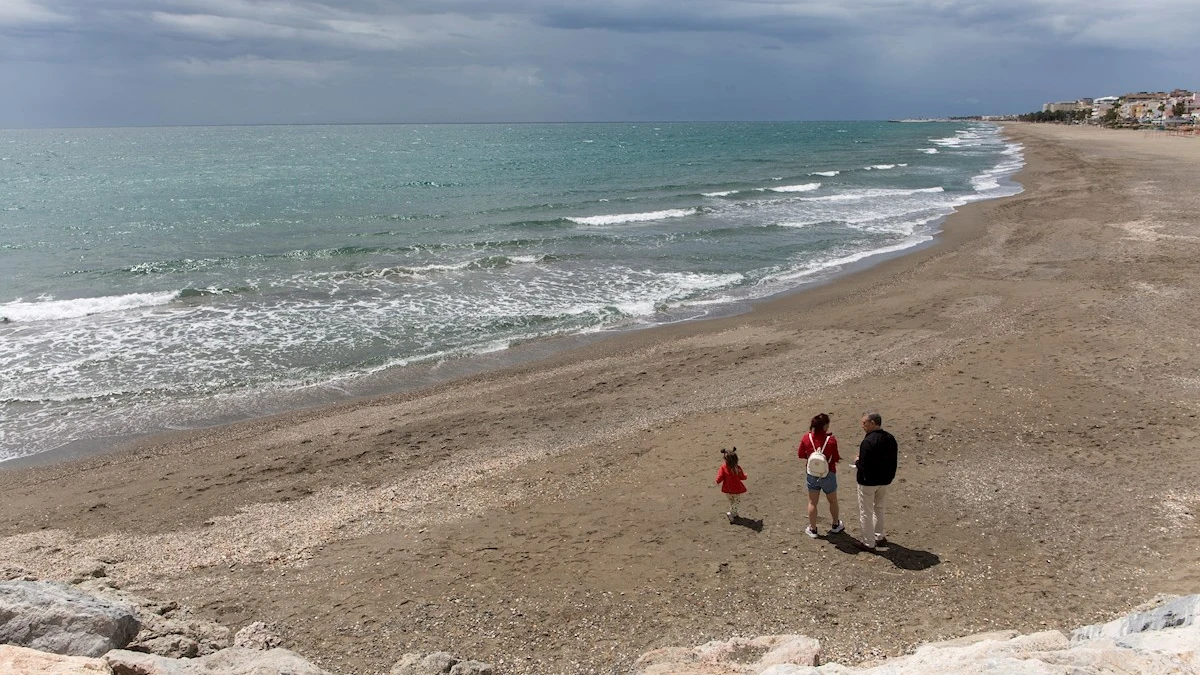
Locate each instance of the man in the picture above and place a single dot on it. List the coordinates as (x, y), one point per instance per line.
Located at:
(876, 464)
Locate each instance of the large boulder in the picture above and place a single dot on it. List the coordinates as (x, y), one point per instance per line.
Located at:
(232, 661)
(57, 618)
(25, 661)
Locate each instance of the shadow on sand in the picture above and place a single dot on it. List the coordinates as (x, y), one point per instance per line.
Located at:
(756, 525)
(901, 556)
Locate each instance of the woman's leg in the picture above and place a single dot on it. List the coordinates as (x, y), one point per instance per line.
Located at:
(813, 496)
(833, 508)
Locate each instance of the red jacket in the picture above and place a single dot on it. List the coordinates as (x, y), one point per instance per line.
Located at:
(831, 452)
(731, 481)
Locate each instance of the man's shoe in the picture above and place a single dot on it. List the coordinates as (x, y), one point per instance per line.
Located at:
(811, 531)
(863, 547)
(881, 541)
(838, 527)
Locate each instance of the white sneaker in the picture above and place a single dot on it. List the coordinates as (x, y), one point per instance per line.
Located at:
(811, 531)
(730, 516)
(837, 528)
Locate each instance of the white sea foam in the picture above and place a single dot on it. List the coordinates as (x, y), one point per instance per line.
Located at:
(882, 167)
(726, 193)
(620, 218)
(824, 173)
(830, 265)
(961, 138)
(872, 193)
(52, 310)
(803, 187)
(929, 151)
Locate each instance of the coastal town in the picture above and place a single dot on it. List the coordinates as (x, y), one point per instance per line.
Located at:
(1177, 109)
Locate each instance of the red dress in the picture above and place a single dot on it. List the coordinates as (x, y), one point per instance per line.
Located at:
(731, 481)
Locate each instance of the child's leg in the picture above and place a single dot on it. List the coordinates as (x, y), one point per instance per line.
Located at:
(733, 503)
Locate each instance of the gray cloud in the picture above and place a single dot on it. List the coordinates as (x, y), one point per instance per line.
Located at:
(81, 62)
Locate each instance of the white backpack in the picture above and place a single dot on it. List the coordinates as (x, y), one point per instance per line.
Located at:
(818, 463)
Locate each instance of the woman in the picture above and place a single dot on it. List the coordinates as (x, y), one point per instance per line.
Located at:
(818, 439)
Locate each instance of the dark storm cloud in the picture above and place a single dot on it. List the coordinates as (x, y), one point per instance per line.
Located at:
(197, 61)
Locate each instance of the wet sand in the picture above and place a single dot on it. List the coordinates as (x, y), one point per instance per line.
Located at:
(1038, 365)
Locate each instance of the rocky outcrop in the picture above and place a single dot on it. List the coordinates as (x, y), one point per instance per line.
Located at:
(25, 661)
(1174, 613)
(60, 619)
(167, 629)
(1163, 641)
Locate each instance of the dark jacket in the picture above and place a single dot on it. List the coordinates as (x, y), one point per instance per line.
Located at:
(877, 458)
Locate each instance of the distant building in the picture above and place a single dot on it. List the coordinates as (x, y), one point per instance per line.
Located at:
(1144, 106)
(1060, 106)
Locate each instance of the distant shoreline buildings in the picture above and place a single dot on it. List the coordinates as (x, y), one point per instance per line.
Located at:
(1177, 108)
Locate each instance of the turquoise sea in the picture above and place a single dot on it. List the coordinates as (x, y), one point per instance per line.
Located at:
(163, 278)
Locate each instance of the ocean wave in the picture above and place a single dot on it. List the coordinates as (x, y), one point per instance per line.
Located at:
(824, 173)
(211, 291)
(958, 140)
(503, 261)
(725, 193)
(622, 218)
(53, 310)
(929, 151)
(173, 266)
(882, 167)
(803, 187)
(872, 193)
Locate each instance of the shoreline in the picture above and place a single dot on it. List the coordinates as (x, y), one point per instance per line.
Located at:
(1012, 359)
(421, 376)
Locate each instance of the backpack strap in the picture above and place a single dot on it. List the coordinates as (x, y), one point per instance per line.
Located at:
(812, 440)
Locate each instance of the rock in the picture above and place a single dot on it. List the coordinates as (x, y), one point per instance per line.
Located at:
(258, 635)
(738, 656)
(232, 661)
(24, 661)
(1175, 613)
(87, 568)
(57, 618)
(167, 629)
(471, 668)
(436, 663)
(173, 646)
(1164, 640)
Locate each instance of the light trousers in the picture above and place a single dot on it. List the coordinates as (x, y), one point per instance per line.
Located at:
(870, 512)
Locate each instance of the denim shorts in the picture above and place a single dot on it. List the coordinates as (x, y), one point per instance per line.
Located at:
(828, 484)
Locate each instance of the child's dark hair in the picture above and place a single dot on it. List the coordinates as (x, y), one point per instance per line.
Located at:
(730, 456)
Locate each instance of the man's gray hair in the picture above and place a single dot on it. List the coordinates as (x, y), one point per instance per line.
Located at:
(874, 417)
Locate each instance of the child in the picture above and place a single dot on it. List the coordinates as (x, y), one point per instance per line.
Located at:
(730, 477)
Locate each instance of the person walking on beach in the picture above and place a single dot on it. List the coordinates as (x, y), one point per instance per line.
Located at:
(730, 477)
(876, 464)
(819, 452)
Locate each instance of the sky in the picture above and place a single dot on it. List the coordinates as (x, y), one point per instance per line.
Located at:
(71, 63)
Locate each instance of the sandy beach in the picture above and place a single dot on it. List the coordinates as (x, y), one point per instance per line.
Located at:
(1038, 365)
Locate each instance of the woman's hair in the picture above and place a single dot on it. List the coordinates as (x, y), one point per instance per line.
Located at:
(730, 456)
(821, 421)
